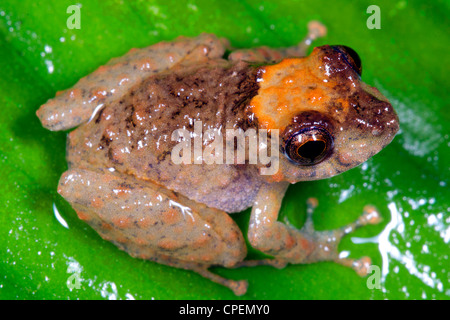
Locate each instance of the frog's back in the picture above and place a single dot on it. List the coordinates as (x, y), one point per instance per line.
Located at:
(134, 133)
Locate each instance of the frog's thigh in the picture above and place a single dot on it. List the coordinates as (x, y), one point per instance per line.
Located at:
(80, 103)
(152, 223)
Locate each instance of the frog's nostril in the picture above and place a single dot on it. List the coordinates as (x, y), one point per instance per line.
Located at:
(351, 57)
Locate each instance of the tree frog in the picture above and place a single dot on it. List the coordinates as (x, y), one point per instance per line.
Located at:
(122, 181)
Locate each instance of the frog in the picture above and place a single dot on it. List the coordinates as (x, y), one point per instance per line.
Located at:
(121, 179)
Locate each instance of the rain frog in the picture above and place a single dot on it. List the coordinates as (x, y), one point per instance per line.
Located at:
(122, 179)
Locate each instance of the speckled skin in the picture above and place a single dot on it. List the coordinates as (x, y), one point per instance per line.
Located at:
(133, 135)
(121, 179)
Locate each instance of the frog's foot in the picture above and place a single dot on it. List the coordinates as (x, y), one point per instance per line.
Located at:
(265, 54)
(290, 245)
(316, 29)
(153, 223)
(239, 287)
(325, 243)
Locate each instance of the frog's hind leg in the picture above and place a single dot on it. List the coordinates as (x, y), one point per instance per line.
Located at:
(239, 287)
(151, 222)
(266, 54)
(108, 83)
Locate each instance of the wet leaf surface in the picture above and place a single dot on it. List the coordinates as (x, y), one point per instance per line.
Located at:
(43, 244)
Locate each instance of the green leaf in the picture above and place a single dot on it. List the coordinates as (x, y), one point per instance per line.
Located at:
(47, 253)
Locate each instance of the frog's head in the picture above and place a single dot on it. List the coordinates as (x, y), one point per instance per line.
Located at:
(328, 120)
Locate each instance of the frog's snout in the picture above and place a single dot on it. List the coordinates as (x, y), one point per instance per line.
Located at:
(350, 56)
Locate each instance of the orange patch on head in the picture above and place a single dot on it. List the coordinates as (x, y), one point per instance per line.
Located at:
(288, 88)
(316, 95)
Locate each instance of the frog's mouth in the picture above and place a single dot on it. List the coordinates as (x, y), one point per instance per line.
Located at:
(371, 124)
(343, 157)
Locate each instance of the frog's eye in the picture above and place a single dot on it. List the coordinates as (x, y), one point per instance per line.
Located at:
(351, 57)
(309, 146)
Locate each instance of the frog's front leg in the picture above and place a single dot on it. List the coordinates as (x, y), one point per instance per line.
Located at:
(108, 83)
(266, 54)
(290, 245)
(151, 222)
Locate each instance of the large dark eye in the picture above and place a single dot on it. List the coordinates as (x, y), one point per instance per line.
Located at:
(351, 57)
(309, 146)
